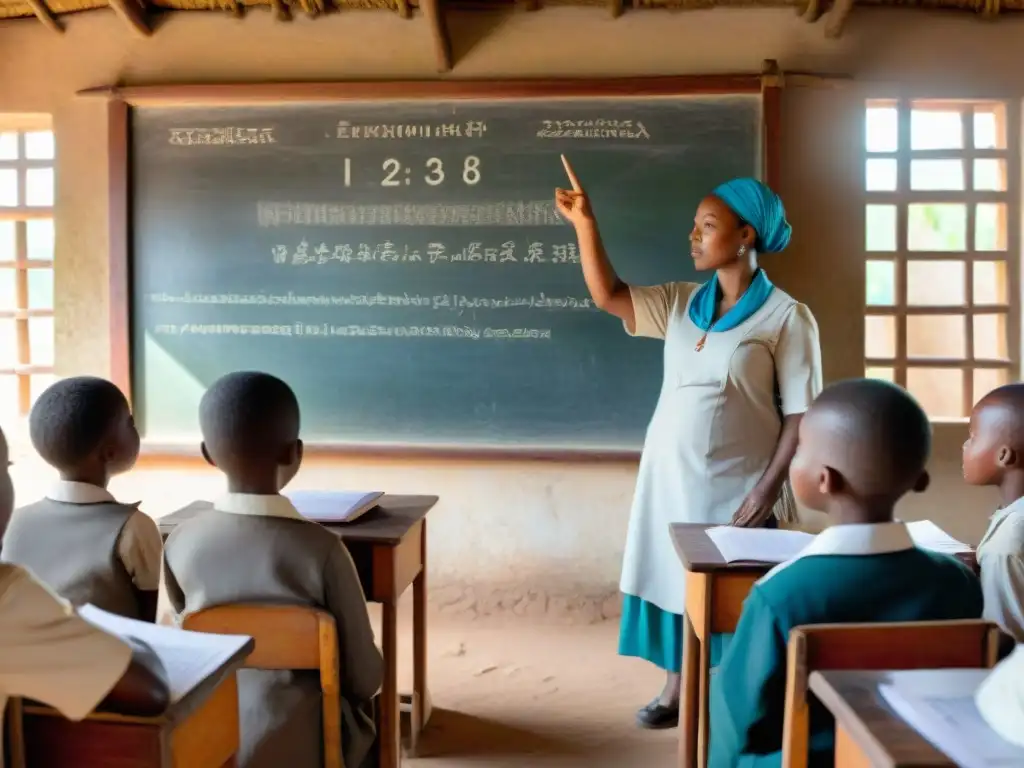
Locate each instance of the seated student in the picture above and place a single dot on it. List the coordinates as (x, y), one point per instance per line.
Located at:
(80, 541)
(994, 455)
(863, 445)
(1000, 698)
(51, 655)
(254, 547)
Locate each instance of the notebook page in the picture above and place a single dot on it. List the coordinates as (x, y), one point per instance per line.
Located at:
(927, 535)
(939, 704)
(188, 657)
(758, 545)
(333, 506)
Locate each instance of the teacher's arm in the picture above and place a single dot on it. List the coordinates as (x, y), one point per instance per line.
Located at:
(798, 373)
(608, 291)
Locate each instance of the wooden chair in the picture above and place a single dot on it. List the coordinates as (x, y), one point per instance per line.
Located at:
(910, 645)
(287, 637)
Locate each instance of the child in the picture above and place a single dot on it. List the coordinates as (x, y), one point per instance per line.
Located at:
(79, 540)
(1000, 698)
(994, 455)
(49, 654)
(254, 547)
(863, 444)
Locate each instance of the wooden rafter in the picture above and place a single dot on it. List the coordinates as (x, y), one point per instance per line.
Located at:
(43, 14)
(132, 12)
(439, 32)
(403, 9)
(615, 7)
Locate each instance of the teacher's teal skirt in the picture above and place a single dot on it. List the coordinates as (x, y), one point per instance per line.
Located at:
(647, 632)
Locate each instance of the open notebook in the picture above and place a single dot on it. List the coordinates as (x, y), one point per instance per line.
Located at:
(188, 657)
(939, 705)
(334, 506)
(767, 545)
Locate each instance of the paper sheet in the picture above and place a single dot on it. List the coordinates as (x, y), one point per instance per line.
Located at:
(758, 545)
(939, 704)
(188, 657)
(927, 535)
(333, 506)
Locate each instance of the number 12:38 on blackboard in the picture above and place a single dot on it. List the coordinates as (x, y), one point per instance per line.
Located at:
(434, 172)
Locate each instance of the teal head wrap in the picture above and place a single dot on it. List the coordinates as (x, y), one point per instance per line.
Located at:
(759, 207)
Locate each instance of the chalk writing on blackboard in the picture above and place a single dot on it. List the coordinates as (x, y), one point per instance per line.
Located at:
(592, 129)
(324, 330)
(435, 253)
(530, 213)
(230, 136)
(469, 129)
(446, 301)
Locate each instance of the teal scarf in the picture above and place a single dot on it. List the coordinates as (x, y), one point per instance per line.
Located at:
(702, 307)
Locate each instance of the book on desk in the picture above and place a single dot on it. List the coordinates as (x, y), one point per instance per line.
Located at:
(766, 545)
(333, 506)
(188, 658)
(940, 707)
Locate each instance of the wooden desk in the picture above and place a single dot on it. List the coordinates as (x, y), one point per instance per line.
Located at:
(199, 730)
(715, 591)
(389, 547)
(868, 733)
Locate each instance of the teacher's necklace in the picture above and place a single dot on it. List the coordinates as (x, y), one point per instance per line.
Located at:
(703, 339)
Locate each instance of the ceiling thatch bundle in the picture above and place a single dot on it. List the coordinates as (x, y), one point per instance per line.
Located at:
(139, 13)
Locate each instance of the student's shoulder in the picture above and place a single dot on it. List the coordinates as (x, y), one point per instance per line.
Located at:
(1008, 539)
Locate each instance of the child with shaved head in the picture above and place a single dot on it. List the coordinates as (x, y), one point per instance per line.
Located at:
(994, 455)
(863, 445)
(254, 547)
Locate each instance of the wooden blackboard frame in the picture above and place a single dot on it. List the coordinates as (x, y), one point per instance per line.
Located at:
(121, 100)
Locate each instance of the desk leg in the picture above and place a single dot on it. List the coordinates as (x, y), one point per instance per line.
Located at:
(704, 671)
(420, 703)
(688, 723)
(390, 735)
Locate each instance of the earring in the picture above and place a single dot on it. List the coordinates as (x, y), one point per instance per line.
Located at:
(743, 250)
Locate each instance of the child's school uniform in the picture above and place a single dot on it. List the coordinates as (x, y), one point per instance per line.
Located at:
(1001, 559)
(88, 547)
(259, 549)
(849, 574)
(49, 654)
(1000, 698)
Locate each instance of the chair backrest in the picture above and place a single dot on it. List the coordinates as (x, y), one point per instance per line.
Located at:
(287, 637)
(12, 722)
(904, 645)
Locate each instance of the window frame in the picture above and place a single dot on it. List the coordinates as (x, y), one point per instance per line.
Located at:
(24, 369)
(903, 197)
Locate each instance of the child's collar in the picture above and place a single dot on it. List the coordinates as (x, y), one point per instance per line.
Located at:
(257, 505)
(862, 539)
(71, 492)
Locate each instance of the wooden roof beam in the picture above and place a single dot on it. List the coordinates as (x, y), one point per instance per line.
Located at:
(133, 13)
(434, 14)
(44, 15)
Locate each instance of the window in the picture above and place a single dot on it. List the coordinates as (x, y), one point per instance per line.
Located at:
(942, 240)
(26, 262)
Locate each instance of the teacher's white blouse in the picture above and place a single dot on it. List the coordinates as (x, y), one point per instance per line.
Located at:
(716, 424)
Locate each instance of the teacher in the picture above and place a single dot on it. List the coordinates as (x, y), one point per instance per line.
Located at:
(742, 364)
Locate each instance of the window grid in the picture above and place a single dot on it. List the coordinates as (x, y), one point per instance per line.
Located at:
(899, 362)
(26, 255)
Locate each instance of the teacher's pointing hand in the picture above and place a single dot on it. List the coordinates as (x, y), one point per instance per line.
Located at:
(573, 204)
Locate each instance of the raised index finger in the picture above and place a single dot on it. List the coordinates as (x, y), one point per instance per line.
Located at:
(572, 176)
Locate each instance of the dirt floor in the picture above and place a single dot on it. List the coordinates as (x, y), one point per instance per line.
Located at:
(516, 693)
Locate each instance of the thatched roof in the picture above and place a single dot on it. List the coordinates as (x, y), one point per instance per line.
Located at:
(138, 13)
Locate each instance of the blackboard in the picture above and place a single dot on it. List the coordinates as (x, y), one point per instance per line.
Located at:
(401, 265)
